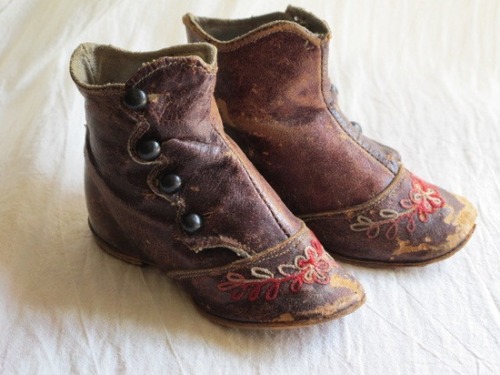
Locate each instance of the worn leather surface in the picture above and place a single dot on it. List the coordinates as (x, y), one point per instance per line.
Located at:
(277, 102)
(246, 227)
(393, 228)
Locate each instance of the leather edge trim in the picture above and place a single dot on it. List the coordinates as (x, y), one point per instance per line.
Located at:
(266, 254)
(256, 34)
(363, 206)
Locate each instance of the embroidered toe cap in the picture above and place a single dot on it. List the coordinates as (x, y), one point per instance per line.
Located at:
(446, 232)
(433, 225)
(294, 284)
(411, 223)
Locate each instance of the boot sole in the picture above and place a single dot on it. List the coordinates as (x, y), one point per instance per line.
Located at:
(381, 264)
(111, 250)
(280, 325)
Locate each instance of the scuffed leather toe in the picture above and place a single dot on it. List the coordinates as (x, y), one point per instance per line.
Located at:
(411, 223)
(345, 295)
(293, 284)
(450, 230)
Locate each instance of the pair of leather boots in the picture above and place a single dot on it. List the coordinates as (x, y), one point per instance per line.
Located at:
(223, 192)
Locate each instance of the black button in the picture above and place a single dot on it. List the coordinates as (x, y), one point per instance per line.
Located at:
(135, 98)
(191, 223)
(148, 150)
(170, 183)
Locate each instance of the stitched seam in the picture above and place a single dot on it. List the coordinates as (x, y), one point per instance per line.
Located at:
(194, 65)
(180, 202)
(265, 255)
(423, 200)
(141, 127)
(158, 167)
(269, 254)
(158, 164)
(245, 249)
(253, 183)
(253, 38)
(290, 246)
(231, 267)
(398, 180)
(358, 141)
(334, 119)
(117, 88)
(103, 91)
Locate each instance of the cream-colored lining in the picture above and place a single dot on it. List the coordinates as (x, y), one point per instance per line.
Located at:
(103, 65)
(221, 30)
(225, 30)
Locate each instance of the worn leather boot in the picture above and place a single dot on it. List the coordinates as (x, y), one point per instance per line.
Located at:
(166, 187)
(278, 104)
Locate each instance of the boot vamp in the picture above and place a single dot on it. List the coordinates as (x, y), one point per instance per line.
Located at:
(380, 151)
(384, 154)
(411, 222)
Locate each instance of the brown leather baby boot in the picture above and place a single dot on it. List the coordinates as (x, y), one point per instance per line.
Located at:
(166, 187)
(278, 104)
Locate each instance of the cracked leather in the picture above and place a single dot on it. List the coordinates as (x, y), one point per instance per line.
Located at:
(243, 219)
(277, 102)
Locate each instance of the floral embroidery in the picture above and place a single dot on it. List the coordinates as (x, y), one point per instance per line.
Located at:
(310, 268)
(423, 200)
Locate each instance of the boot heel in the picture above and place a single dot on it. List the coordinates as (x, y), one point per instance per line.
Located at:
(111, 250)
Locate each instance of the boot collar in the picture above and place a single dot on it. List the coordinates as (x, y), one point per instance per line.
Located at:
(93, 66)
(230, 34)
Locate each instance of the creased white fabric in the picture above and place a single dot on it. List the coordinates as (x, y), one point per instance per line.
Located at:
(421, 76)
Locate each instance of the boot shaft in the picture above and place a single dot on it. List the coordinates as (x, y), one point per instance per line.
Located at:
(166, 187)
(275, 98)
(270, 66)
(276, 101)
(156, 155)
(178, 84)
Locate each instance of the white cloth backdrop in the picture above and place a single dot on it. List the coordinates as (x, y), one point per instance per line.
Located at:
(422, 76)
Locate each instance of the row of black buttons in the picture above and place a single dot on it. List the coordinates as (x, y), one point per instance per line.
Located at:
(149, 150)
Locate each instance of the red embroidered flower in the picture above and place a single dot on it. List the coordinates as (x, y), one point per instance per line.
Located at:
(314, 268)
(311, 268)
(424, 199)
